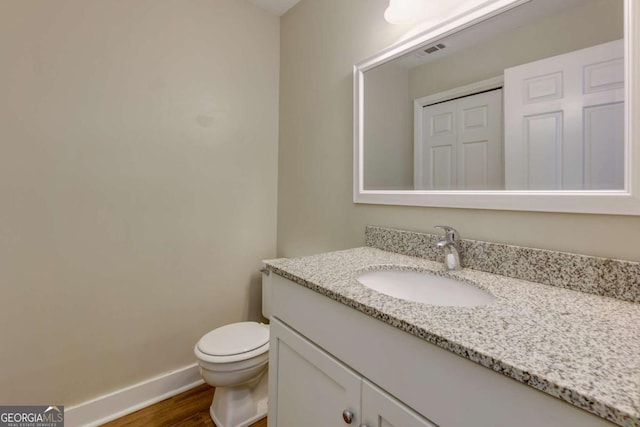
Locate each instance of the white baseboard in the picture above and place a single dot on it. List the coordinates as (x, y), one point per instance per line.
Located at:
(130, 399)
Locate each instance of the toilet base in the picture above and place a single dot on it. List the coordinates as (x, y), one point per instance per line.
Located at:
(240, 406)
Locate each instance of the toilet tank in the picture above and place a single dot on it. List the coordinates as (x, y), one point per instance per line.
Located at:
(266, 293)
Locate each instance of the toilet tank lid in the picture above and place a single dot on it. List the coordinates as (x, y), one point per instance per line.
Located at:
(235, 338)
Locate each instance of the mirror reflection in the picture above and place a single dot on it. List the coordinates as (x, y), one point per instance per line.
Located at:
(532, 99)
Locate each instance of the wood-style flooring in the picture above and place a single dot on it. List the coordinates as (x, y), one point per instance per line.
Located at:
(188, 409)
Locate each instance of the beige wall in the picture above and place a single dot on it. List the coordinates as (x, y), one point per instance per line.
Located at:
(138, 167)
(388, 155)
(559, 33)
(320, 42)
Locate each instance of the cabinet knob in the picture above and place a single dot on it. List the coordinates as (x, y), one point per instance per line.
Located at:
(347, 416)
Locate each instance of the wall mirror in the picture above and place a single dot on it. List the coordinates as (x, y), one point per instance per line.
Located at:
(516, 104)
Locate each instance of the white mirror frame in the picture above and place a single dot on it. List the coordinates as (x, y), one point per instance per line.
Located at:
(621, 202)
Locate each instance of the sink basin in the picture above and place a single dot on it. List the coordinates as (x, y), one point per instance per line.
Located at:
(424, 287)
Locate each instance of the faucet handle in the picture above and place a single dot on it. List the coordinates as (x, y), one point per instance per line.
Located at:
(450, 233)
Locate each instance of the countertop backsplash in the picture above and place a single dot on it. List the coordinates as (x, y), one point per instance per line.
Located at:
(600, 276)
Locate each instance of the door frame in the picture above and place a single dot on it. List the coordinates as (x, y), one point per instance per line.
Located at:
(447, 95)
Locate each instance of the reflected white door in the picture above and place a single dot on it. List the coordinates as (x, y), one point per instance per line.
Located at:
(462, 144)
(440, 140)
(564, 121)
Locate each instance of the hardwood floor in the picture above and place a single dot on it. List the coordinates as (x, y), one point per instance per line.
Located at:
(188, 409)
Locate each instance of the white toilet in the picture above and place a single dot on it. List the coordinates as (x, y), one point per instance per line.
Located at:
(233, 359)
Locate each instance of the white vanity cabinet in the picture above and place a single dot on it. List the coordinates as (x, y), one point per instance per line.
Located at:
(316, 390)
(326, 358)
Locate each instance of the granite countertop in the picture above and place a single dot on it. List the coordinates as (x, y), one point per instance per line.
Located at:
(579, 347)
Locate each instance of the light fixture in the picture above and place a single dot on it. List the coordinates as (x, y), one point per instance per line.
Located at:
(405, 11)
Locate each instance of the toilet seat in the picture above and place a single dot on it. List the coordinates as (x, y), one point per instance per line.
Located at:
(234, 342)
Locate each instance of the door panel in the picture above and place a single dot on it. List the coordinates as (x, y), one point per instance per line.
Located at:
(543, 88)
(603, 155)
(442, 175)
(542, 149)
(474, 163)
(605, 75)
(474, 118)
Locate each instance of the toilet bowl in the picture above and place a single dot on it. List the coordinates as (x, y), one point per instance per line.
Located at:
(234, 360)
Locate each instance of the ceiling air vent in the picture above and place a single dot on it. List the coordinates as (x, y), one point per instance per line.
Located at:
(435, 48)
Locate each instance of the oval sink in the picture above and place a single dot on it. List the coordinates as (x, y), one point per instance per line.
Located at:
(424, 287)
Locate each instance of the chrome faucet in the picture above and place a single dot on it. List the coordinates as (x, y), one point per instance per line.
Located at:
(451, 247)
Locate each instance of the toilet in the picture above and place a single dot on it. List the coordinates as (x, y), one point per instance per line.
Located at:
(233, 359)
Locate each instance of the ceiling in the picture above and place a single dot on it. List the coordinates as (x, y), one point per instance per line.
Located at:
(502, 23)
(277, 7)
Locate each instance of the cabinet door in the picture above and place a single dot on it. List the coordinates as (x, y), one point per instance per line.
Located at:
(307, 387)
(381, 410)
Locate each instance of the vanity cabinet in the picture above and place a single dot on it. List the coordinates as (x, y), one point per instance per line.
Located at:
(326, 357)
(314, 389)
